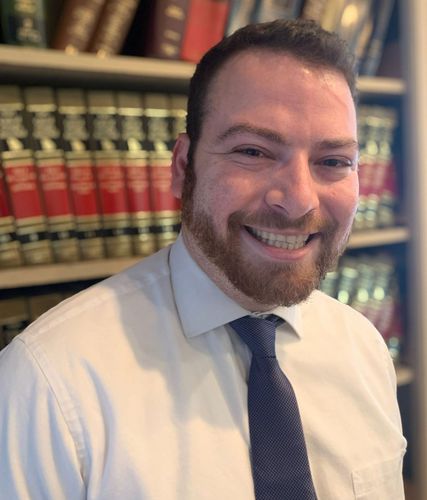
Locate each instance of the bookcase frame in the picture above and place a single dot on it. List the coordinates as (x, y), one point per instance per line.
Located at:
(39, 66)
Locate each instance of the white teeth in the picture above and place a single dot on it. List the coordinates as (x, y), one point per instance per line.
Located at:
(290, 242)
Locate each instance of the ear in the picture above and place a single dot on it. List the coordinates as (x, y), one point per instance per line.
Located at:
(179, 163)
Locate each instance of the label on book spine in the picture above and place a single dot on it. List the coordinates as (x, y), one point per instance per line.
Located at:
(81, 175)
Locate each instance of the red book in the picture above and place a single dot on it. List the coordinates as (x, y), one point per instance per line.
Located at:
(21, 178)
(206, 22)
(10, 248)
(160, 124)
(110, 173)
(49, 158)
(72, 113)
(135, 163)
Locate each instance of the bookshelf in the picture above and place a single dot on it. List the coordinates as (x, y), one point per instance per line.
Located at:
(40, 66)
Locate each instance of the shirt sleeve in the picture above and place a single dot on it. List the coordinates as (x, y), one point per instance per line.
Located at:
(38, 458)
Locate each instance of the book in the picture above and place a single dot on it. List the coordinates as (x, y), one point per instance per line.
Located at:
(166, 29)
(20, 174)
(14, 317)
(159, 121)
(382, 14)
(24, 22)
(206, 21)
(351, 23)
(49, 158)
(72, 116)
(269, 10)
(313, 9)
(112, 27)
(110, 175)
(135, 162)
(240, 14)
(76, 25)
(10, 248)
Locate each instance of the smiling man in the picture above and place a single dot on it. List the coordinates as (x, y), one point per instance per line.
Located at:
(214, 369)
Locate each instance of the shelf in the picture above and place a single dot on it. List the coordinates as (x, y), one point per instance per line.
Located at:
(380, 86)
(378, 237)
(61, 273)
(56, 67)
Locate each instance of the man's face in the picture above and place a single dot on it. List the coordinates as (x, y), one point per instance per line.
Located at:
(269, 200)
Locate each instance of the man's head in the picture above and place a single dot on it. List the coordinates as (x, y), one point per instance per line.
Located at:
(267, 170)
(304, 39)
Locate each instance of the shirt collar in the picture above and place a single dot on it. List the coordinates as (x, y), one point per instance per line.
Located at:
(201, 305)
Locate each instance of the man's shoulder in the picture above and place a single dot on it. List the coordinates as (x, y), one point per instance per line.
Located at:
(105, 304)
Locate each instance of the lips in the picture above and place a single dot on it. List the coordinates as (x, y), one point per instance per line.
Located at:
(285, 241)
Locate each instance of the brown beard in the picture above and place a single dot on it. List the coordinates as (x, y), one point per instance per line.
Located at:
(270, 283)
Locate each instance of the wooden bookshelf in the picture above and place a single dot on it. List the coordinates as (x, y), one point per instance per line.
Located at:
(55, 67)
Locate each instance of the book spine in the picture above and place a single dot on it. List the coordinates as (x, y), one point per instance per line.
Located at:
(72, 114)
(240, 14)
(269, 10)
(23, 22)
(165, 207)
(10, 248)
(76, 25)
(205, 27)
(135, 163)
(110, 174)
(21, 178)
(313, 9)
(112, 27)
(167, 26)
(372, 57)
(49, 159)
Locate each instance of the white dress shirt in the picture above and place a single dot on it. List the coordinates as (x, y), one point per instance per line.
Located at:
(135, 389)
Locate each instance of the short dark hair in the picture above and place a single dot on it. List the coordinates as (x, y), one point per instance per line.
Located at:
(303, 39)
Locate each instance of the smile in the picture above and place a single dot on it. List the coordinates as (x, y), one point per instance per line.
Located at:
(288, 242)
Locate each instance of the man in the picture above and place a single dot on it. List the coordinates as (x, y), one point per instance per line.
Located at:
(137, 387)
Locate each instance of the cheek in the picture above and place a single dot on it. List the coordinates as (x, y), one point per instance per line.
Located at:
(342, 202)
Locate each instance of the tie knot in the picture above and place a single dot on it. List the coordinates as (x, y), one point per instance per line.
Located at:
(259, 334)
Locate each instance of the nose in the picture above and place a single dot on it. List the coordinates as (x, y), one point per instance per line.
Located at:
(292, 189)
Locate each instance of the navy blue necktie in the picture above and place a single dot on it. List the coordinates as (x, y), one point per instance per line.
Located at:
(280, 466)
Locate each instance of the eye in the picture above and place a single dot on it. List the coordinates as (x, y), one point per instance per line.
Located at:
(250, 151)
(339, 162)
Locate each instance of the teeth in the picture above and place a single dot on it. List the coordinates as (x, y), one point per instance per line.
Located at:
(290, 242)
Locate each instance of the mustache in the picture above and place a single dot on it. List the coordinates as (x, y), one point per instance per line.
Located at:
(308, 223)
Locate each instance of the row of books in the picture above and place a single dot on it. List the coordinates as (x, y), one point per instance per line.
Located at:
(378, 186)
(184, 29)
(86, 174)
(369, 284)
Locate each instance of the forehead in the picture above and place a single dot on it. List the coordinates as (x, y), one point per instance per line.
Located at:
(274, 88)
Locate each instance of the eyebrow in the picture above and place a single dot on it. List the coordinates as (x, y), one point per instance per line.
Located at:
(273, 136)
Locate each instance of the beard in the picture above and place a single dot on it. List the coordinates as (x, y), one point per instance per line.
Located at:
(267, 283)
